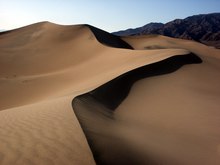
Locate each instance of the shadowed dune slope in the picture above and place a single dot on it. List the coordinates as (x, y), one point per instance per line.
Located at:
(115, 91)
(109, 39)
(97, 105)
(165, 119)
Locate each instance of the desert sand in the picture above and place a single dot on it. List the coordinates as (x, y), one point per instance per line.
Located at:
(48, 73)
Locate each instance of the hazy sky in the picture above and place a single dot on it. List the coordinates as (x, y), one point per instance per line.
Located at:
(110, 15)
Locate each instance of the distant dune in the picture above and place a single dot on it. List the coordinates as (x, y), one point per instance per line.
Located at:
(79, 95)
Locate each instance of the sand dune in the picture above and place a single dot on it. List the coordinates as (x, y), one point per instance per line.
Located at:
(168, 119)
(44, 66)
(163, 42)
(63, 51)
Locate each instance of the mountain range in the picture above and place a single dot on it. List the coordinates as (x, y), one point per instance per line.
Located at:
(204, 28)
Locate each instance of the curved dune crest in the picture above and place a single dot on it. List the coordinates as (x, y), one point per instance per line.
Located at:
(44, 66)
(45, 61)
(115, 91)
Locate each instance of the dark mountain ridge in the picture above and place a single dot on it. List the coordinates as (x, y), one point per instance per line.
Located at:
(204, 28)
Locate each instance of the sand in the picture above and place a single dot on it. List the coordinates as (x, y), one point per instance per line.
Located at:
(44, 66)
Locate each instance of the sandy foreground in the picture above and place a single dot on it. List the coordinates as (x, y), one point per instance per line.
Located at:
(171, 118)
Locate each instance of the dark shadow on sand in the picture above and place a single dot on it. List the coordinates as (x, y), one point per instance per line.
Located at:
(109, 39)
(6, 32)
(95, 111)
(115, 91)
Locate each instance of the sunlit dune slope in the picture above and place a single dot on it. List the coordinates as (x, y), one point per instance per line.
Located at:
(46, 60)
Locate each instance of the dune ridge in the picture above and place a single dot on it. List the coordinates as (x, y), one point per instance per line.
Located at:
(99, 104)
(115, 91)
(44, 66)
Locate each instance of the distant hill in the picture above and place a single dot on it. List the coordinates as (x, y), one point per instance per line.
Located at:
(204, 28)
(148, 28)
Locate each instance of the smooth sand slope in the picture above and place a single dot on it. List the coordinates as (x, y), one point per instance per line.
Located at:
(44, 66)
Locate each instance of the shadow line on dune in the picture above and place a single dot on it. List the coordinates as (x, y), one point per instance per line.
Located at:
(112, 93)
(6, 32)
(109, 39)
(95, 111)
